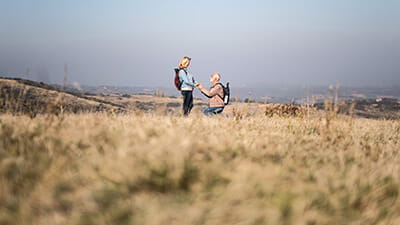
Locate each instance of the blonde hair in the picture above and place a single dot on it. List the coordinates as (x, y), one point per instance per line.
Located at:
(184, 63)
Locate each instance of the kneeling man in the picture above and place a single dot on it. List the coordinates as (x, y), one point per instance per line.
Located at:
(215, 95)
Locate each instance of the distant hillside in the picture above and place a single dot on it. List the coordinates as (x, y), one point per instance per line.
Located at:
(30, 97)
(368, 108)
(25, 96)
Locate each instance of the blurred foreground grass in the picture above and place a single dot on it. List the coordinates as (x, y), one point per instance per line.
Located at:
(154, 169)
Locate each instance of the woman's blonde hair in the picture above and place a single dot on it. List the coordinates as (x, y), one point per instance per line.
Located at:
(184, 63)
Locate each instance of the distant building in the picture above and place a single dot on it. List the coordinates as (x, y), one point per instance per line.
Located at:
(385, 99)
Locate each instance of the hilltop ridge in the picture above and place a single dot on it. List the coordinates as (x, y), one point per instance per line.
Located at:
(26, 96)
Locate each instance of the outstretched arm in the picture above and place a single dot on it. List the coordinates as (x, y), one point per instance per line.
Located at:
(210, 93)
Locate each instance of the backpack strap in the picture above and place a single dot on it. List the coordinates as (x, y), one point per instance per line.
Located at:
(223, 90)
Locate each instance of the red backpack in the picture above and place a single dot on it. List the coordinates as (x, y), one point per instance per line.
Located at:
(177, 81)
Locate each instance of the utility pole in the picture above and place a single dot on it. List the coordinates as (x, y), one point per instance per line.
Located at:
(65, 76)
(27, 72)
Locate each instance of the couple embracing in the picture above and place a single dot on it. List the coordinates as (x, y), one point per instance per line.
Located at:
(218, 94)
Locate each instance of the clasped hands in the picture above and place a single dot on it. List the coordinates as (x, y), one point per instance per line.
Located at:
(199, 86)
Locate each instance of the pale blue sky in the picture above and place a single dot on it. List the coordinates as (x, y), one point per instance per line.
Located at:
(137, 43)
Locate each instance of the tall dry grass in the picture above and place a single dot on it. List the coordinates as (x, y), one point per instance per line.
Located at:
(155, 169)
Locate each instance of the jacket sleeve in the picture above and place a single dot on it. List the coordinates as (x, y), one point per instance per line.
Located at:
(185, 79)
(213, 91)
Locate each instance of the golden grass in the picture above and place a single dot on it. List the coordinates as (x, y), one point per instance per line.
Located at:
(156, 169)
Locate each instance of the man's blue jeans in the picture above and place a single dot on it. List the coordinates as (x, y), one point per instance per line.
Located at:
(209, 111)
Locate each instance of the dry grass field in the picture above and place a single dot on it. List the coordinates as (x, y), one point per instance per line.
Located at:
(144, 168)
(255, 164)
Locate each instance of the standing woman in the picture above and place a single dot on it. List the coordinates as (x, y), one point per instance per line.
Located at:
(188, 84)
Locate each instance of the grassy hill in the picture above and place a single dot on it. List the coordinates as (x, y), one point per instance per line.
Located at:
(68, 158)
(29, 97)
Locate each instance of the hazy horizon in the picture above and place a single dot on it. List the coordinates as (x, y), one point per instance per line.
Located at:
(138, 43)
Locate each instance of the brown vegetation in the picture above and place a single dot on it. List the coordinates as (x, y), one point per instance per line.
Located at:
(20, 97)
(157, 169)
(239, 168)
